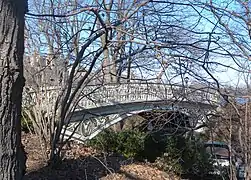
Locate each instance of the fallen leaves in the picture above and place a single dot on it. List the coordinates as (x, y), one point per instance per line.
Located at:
(85, 163)
(140, 172)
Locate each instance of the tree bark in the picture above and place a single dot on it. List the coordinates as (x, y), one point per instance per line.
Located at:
(12, 157)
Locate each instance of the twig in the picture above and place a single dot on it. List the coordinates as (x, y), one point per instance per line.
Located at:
(102, 164)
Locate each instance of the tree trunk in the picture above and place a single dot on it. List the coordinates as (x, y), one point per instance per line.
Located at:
(12, 157)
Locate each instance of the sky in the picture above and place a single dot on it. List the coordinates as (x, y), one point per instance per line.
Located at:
(227, 76)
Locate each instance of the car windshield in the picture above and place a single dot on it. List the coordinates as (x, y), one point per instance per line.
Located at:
(218, 152)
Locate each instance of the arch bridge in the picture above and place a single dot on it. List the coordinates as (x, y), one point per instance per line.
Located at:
(112, 103)
(102, 106)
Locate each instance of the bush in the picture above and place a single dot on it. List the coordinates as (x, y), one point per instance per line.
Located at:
(154, 146)
(127, 143)
(196, 160)
(176, 154)
(185, 156)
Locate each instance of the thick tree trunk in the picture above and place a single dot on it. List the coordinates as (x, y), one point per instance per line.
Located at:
(12, 157)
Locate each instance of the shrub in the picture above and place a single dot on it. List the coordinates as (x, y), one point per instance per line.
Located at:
(154, 146)
(176, 154)
(185, 156)
(196, 160)
(127, 143)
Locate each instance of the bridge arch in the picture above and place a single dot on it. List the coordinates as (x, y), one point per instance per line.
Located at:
(92, 124)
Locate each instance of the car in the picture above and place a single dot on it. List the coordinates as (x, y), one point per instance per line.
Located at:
(220, 154)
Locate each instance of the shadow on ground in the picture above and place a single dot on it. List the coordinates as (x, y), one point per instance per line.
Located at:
(86, 168)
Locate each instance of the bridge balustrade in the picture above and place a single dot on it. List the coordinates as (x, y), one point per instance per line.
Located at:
(110, 94)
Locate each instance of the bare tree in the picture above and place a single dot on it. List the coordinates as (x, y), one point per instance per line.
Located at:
(110, 41)
(82, 37)
(12, 163)
(233, 19)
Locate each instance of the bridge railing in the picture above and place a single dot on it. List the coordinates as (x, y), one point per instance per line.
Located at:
(126, 93)
(43, 96)
(110, 94)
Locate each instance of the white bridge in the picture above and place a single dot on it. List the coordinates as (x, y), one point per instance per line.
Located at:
(101, 106)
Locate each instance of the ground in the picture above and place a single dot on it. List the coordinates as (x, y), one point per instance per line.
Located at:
(85, 163)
